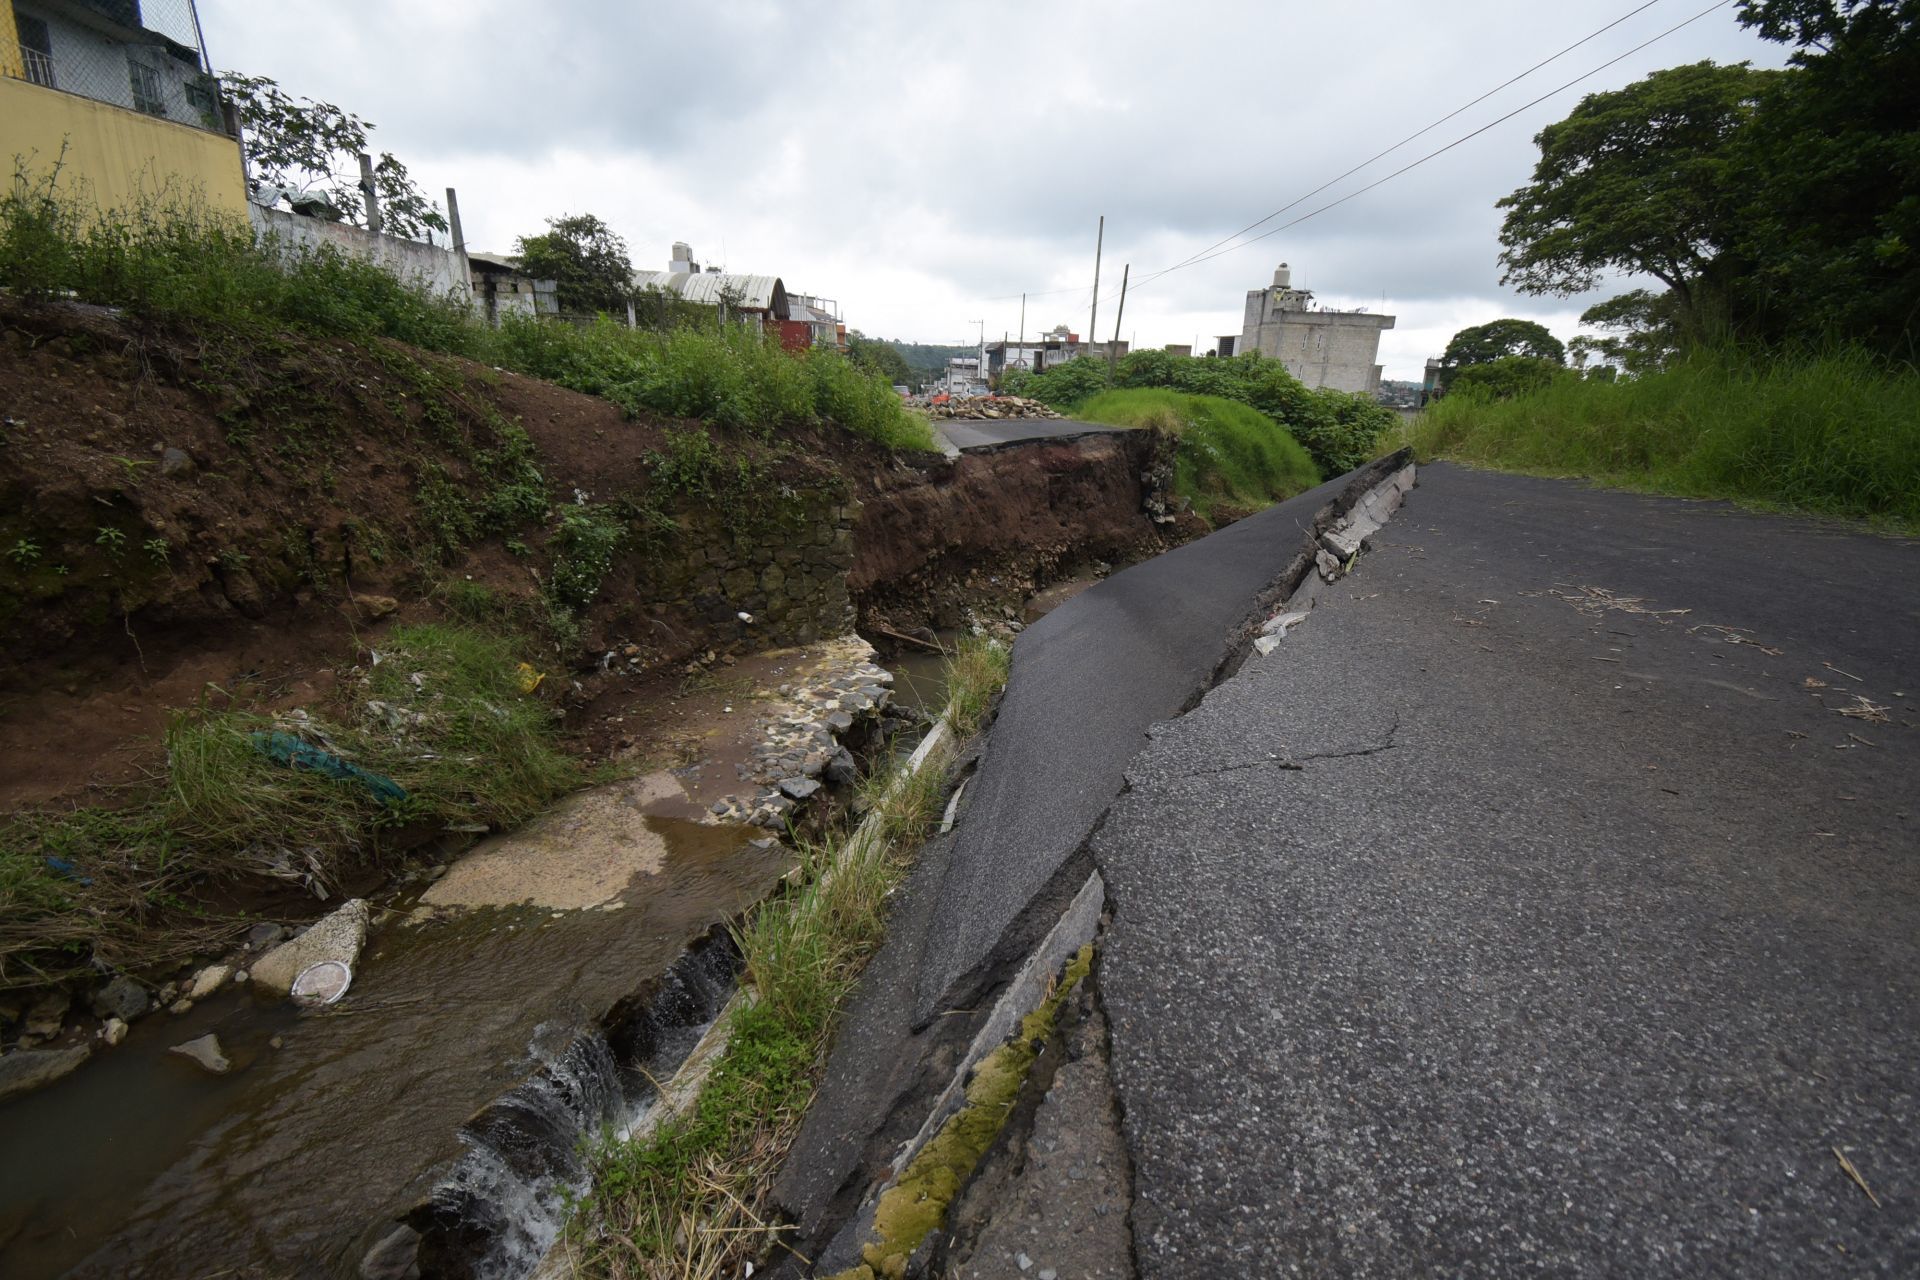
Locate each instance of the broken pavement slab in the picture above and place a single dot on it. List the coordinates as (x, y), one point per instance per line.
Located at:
(206, 1052)
(1087, 681)
(338, 936)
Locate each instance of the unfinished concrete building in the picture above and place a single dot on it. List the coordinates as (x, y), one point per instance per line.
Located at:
(1322, 348)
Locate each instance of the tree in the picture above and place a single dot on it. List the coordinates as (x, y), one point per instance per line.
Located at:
(1642, 335)
(1646, 180)
(1833, 234)
(585, 258)
(879, 357)
(309, 147)
(1482, 343)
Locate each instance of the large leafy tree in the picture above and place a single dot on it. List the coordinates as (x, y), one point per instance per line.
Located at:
(1833, 231)
(585, 258)
(313, 148)
(1645, 180)
(1498, 339)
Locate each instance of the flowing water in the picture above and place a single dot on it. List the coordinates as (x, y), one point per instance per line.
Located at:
(449, 1088)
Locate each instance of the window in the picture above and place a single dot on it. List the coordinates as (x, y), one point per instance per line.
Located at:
(146, 88)
(36, 48)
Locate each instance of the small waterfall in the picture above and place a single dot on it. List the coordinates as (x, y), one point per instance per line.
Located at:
(502, 1206)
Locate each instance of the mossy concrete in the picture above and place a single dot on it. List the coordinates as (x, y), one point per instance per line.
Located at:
(915, 1205)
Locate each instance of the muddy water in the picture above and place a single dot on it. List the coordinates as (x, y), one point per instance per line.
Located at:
(306, 1154)
(920, 676)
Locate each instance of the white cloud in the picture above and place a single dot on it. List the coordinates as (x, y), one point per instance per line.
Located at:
(919, 164)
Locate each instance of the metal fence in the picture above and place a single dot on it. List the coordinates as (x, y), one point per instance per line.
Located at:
(142, 55)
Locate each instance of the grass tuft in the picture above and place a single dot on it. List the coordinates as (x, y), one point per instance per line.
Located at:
(1835, 434)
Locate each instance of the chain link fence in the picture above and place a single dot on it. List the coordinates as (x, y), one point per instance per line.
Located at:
(144, 55)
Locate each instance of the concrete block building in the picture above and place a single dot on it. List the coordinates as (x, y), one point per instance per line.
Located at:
(1322, 348)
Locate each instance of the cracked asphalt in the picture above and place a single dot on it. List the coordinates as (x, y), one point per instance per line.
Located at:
(1534, 909)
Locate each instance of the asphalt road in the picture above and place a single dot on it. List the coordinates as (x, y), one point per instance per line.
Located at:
(983, 433)
(1087, 681)
(1532, 910)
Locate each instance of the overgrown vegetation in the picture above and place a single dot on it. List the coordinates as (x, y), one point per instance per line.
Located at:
(688, 1199)
(1337, 429)
(437, 730)
(1836, 435)
(191, 267)
(730, 376)
(1229, 456)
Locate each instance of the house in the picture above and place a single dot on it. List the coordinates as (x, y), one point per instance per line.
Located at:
(1322, 348)
(963, 377)
(758, 301)
(130, 112)
(812, 322)
(1033, 354)
(502, 289)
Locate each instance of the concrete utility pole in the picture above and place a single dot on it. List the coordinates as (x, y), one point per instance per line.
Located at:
(1099, 241)
(366, 193)
(1023, 331)
(980, 369)
(1113, 348)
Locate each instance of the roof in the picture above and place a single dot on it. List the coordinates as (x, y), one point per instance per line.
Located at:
(492, 261)
(753, 293)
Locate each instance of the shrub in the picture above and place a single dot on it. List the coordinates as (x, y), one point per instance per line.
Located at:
(1506, 377)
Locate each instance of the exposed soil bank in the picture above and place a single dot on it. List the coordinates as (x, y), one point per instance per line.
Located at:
(986, 531)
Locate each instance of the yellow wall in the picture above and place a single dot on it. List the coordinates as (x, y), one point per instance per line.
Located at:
(10, 59)
(116, 157)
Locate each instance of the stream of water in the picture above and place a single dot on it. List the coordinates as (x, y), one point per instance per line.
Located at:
(306, 1154)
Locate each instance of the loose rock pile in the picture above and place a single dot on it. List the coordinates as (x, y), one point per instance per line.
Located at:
(993, 407)
(800, 738)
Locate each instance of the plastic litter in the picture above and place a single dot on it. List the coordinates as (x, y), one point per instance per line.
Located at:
(322, 984)
(67, 870)
(295, 753)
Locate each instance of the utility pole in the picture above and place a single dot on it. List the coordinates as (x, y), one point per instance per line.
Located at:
(1113, 348)
(980, 368)
(1023, 331)
(1099, 240)
(368, 195)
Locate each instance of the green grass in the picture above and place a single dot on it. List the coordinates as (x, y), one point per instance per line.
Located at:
(1834, 435)
(182, 263)
(689, 1198)
(1229, 454)
(441, 714)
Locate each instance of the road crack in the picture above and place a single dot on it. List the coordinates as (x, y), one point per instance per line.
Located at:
(1291, 764)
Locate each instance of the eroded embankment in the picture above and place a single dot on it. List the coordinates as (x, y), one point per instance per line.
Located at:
(986, 530)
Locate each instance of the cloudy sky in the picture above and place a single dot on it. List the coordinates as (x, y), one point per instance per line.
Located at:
(925, 164)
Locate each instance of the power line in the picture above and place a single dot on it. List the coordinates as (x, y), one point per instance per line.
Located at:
(1217, 250)
(1410, 137)
(1717, 4)
(1194, 262)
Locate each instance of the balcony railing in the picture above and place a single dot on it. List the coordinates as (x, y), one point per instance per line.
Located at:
(39, 67)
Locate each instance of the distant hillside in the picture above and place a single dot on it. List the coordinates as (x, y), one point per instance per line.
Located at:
(926, 360)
